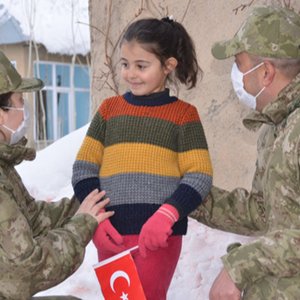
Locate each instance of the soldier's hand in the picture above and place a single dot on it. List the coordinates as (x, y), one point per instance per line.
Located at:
(224, 288)
(93, 206)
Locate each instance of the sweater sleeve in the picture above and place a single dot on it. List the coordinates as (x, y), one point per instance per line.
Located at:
(194, 163)
(86, 168)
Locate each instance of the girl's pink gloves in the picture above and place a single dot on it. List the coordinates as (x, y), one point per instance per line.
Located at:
(107, 238)
(157, 229)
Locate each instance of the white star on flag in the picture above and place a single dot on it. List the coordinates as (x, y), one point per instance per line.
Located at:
(124, 296)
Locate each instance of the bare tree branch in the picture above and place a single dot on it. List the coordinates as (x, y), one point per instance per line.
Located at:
(242, 7)
(186, 10)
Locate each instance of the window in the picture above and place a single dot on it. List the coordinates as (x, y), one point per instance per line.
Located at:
(64, 103)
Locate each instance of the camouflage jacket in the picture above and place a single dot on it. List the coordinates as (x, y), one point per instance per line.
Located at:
(271, 210)
(41, 243)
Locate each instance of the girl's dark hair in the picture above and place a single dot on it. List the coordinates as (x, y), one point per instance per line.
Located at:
(5, 100)
(167, 38)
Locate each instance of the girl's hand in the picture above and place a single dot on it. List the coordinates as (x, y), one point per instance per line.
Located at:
(107, 238)
(156, 231)
(92, 205)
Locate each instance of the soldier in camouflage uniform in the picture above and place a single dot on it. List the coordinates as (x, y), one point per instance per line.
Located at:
(266, 76)
(41, 243)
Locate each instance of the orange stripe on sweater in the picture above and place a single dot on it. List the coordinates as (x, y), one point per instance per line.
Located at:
(118, 106)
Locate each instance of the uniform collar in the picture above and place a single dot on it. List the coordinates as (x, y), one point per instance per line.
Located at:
(15, 154)
(279, 109)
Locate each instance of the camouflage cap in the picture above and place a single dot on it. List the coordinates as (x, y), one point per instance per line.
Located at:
(11, 81)
(267, 32)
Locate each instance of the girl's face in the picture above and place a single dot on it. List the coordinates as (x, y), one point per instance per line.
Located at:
(142, 70)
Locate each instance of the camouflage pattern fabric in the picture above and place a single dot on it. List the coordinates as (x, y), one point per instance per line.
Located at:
(11, 80)
(41, 243)
(267, 32)
(268, 267)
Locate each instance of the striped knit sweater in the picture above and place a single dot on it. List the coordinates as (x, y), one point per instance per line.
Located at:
(144, 151)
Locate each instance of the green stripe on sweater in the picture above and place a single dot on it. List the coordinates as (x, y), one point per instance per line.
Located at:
(132, 129)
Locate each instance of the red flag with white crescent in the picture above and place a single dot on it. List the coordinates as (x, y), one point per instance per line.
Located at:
(119, 278)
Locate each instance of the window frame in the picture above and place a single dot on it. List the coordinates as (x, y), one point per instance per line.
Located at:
(55, 89)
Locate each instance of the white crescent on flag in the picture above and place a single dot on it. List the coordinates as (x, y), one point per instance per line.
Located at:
(115, 276)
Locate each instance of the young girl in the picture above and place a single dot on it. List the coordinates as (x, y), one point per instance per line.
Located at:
(148, 151)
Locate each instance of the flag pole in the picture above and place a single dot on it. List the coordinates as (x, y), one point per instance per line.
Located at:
(133, 248)
(121, 254)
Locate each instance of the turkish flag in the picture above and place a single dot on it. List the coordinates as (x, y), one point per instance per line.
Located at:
(118, 278)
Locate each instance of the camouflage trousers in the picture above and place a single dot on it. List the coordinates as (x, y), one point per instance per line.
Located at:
(271, 288)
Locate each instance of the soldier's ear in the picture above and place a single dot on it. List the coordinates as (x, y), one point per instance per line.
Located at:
(269, 73)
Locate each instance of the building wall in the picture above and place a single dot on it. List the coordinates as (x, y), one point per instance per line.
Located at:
(20, 53)
(232, 147)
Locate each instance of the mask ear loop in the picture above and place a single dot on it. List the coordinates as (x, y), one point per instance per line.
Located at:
(251, 70)
(12, 131)
(9, 129)
(260, 92)
(254, 68)
(13, 108)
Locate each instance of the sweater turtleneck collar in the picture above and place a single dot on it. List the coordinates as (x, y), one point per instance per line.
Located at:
(155, 99)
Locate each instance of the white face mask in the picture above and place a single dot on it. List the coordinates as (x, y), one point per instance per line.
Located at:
(20, 132)
(238, 86)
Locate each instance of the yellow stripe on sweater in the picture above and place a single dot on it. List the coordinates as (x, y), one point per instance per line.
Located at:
(91, 151)
(195, 161)
(140, 158)
(150, 159)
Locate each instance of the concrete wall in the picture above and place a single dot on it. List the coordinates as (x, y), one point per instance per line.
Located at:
(232, 147)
